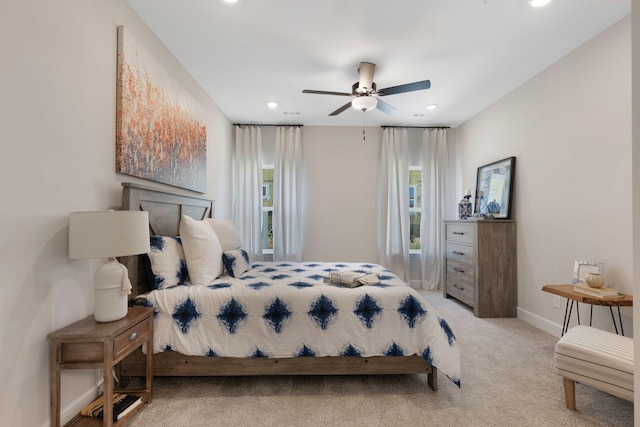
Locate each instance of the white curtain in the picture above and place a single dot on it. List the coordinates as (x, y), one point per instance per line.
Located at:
(393, 217)
(434, 173)
(287, 195)
(247, 189)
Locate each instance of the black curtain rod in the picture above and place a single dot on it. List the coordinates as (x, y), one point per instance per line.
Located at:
(417, 127)
(267, 125)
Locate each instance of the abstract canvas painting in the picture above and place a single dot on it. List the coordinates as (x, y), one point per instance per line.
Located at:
(160, 135)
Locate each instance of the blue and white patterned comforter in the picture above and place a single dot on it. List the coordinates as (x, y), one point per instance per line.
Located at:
(285, 310)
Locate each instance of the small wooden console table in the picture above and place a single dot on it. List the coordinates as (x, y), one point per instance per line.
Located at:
(579, 297)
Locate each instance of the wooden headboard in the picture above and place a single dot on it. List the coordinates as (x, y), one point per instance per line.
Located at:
(165, 211)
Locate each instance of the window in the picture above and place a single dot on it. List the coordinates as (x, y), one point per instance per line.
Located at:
(415, 207)
(267, 209)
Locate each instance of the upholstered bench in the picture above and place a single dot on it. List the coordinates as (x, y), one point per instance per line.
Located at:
(597, 358)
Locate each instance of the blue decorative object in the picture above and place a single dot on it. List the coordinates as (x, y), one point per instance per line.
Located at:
(464, 208)
(493, 207)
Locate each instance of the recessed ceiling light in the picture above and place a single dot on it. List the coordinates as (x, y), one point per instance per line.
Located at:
(272, 104)
(539, 3)
(432, 106)
(230, 1)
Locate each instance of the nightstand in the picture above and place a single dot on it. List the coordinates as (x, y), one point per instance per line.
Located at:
(88, 344)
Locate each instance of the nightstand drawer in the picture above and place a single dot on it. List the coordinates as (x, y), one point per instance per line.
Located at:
(460, 233)
(81, 352)
(460, 253)
(131, 339)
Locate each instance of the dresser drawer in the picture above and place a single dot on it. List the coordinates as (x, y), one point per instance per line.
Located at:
(459, 271)
(459, 253)
(460, 233)
(460, 290)
(132, 338)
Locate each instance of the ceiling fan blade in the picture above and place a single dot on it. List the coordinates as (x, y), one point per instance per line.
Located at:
(409, 87)
(385, 108)
(323, 92)
(341, 109)
(366, 71)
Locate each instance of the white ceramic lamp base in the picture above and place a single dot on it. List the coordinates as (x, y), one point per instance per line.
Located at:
(110, 303)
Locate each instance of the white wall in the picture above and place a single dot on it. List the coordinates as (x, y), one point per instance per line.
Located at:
(570, 129)
(57, 115)
(340, 193)
(635, 54)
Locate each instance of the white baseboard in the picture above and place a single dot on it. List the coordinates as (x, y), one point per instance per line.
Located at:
(74, 408)
(540, 322)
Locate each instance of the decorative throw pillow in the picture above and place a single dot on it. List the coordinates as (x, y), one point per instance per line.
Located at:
(227, 233)
(202, 250)
(166, 263)
(236, 261)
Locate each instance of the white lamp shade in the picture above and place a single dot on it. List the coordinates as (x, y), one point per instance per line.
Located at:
(108, 234)
(364, 103)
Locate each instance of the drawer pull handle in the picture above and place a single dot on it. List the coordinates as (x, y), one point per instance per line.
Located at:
(133, 336)
(460, 233)
(458, 253)
(459, 270)
(458, 287)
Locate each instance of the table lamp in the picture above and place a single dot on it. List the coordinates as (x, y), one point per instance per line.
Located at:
(109, 234)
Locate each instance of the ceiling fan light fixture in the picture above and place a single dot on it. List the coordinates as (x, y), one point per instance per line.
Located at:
(364, 103)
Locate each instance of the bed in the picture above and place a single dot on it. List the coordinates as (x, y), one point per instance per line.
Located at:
(282, 318)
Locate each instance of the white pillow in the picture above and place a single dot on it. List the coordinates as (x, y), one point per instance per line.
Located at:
(202, 250)
(227, 233)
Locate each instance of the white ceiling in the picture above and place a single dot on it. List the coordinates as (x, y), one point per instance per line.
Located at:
(473, 52)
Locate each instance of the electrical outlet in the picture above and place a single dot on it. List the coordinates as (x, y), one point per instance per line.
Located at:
(557, 301)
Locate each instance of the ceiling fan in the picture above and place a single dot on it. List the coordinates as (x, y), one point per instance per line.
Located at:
(366, 93)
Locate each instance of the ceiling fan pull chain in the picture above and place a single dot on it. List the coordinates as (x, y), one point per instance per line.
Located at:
(364, 137)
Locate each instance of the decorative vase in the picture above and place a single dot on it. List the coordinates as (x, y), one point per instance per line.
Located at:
(464, 208)
(594, 280)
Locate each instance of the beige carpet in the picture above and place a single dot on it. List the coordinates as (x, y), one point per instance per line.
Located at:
(507, 380)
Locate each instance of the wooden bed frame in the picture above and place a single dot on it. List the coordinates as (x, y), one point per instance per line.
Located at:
(165, 210)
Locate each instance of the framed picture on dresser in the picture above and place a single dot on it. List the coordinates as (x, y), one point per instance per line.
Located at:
(494, 189)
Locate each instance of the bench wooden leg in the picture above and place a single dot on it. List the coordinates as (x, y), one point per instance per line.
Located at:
(570, 393)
